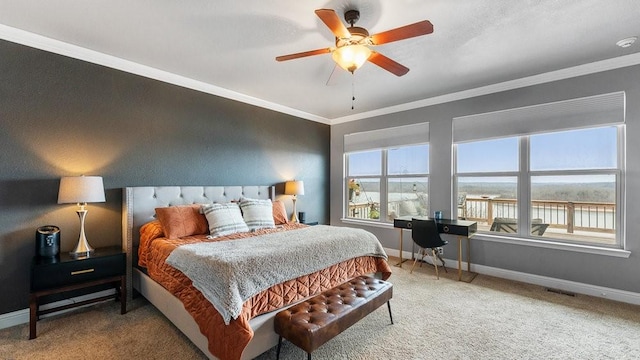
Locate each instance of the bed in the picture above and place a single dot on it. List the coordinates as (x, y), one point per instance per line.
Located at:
(251, 333)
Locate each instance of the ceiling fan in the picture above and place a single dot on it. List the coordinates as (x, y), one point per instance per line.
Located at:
(352, 47)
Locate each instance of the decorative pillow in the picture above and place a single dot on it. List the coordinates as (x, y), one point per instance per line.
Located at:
(224, 219)
(182, 220)
(279, 213)
(258, 214)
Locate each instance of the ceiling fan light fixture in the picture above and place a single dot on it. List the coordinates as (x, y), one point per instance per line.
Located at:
(351, 57)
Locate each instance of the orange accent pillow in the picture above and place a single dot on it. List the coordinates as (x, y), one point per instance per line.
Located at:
(279, 213)
(182, 220)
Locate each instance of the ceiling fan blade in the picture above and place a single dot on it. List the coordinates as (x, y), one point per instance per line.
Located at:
(331, 19)
(420, 28)
(303, 54)
(388, 64)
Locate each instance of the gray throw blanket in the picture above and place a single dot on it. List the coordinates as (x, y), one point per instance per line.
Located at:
(230, 272)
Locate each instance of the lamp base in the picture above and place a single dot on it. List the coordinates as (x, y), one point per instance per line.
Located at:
(294, 216)
(82, 248)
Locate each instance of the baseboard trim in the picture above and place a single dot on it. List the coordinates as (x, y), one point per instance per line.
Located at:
(20, 317)
(552, 283)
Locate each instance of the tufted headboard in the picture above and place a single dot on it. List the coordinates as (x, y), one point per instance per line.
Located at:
(139, 203)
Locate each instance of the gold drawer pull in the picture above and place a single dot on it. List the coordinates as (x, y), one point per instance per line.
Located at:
(82, 271)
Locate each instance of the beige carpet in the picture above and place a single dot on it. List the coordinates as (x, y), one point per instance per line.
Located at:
(434, 319)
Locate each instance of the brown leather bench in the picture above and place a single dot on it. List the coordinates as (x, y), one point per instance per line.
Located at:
(317, 320)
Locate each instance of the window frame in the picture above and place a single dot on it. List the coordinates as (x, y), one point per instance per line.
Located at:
(383, 178)
(524, 187)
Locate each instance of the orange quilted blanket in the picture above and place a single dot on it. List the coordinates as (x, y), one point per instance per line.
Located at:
(228, 341)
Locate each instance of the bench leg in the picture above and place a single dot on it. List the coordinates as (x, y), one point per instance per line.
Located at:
(308, 356)
(389, 307)
(279, 346)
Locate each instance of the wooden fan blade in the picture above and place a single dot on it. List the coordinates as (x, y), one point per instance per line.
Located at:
(388, 64)
(331, 19)
(420, 28)
(303, 54)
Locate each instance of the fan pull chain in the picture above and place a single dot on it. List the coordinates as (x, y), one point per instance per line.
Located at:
(353, 90)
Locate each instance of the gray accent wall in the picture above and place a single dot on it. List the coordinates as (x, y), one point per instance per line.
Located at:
(61, 117)
(592, 269)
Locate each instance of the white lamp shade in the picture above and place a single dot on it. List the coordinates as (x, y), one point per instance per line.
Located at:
(295, 187)
(81, 189)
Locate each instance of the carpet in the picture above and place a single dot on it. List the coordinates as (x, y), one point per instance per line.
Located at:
(490, 318)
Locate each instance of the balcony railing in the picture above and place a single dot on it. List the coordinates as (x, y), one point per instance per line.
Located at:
(569, 215)
(566, 216)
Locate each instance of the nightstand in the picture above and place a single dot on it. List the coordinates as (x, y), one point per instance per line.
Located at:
(66, 273)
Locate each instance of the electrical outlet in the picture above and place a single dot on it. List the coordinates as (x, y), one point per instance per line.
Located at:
(440, 251)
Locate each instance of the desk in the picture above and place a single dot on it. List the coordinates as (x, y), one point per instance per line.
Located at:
(461, 228)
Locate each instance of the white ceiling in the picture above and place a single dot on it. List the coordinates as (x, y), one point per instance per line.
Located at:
(228, 48)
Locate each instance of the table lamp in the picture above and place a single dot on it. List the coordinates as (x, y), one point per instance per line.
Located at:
(81, 190)
(295, 188)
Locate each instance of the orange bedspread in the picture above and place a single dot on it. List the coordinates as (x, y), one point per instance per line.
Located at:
(228, 341)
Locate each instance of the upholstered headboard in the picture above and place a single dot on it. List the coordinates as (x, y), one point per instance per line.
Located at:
(139, 203)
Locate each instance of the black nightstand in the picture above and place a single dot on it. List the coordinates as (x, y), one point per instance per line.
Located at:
(66, 273)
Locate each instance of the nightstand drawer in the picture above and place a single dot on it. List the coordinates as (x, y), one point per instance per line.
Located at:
(63, 273)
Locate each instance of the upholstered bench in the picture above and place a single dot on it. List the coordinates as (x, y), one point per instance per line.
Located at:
(318, 319)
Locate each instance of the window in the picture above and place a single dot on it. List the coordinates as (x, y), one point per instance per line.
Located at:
(559, 182)
(385, 182)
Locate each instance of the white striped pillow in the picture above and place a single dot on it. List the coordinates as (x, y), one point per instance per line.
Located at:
(224, 219)
(257, 214)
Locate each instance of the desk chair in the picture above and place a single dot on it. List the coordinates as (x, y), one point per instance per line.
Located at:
(426, 235)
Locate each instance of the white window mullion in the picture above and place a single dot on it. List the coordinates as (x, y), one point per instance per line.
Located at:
(524, 189)
(384, 186)
(620, 190)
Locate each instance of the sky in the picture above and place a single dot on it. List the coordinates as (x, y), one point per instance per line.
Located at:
(568, 150)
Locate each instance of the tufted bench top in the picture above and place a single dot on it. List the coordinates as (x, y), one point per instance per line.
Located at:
(317, 320)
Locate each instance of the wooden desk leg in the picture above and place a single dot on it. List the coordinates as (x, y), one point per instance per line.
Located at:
(472, 275)
(401, 241)
(468, 255)
(459, 258)
(33, 315)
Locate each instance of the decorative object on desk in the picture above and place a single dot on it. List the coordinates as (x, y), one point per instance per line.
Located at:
(295, 188)
(437, 215)
(48, 241)
(81, 190)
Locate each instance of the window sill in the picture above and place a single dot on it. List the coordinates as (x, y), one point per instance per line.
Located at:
(589, 249)
(378, 224)
(620, 253)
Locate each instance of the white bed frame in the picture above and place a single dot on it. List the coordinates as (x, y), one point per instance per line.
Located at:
(138, 208)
